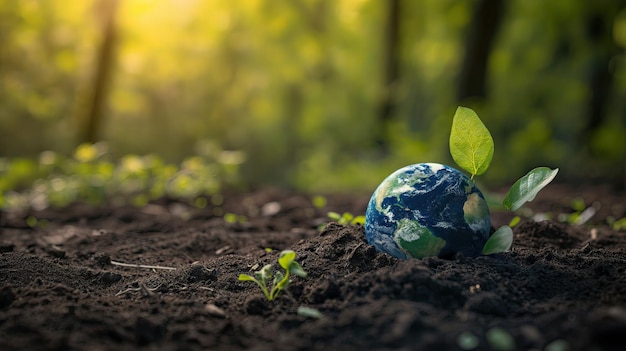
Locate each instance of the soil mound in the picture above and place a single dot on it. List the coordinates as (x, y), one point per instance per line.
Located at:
(165, 277)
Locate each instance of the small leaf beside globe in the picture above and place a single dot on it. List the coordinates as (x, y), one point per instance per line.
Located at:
(427, 209)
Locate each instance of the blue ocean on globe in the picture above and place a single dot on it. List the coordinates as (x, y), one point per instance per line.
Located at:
(427, 209)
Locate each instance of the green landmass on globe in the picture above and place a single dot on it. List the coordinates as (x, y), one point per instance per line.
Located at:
(427, 209)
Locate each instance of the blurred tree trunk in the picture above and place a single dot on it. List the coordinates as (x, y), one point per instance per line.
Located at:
(102, 75)
(391, 75)
(481, 33)
(599, 28)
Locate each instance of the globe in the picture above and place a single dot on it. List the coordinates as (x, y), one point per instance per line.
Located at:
(427, 209)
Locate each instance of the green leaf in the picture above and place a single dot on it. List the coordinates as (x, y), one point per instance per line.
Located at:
(285, 258)
(558, 345)
(319, 201)
(309, 312)
(296, 269)
(500, 241)
(468, 341)
(358, 220)
(471, 144)
(264, 274)
(620, 224)
(527, 187)
(346, 217)
(277, 278)
(334, 216)
(246, 277)
(515, 221)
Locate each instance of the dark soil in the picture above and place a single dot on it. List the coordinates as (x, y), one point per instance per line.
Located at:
(562, 287)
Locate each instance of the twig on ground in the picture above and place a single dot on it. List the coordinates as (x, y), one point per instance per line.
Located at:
(141, 266)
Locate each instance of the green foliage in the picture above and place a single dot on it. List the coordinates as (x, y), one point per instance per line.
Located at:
(280, 281)
(527, 187)
(346, 218)
(292, 85)
(472, 148)
(500, 241)
(471, 144)
(92, 177)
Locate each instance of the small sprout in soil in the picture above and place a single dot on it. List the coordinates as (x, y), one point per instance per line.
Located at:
(500, 340)
(218, 211)
(234, 218)
(582, 213)
(558, 345)
(309, 312)
(578, 204)
(319, 201)
(31, 221)
(200, 202)
(217, 199)
(346, 218)
(515, 221)
(281, 281)
(472, 147)
(467, 341)
(619, 224)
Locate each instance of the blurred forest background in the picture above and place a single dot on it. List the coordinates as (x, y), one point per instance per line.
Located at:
(318, 95)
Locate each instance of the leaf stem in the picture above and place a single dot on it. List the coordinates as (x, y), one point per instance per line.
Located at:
(264, 289)
(279, 286)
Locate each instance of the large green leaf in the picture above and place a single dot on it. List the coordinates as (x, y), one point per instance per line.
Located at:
(500, 241)
(527, 187)
(471, 144)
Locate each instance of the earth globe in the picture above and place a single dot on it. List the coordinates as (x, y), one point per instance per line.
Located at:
(427, 209)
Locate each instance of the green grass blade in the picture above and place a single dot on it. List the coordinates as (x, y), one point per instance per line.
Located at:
(527, 187)
(500, 241)
(471, 144)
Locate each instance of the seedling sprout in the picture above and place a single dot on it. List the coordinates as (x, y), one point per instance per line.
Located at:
(471, 147)
(281, 281)
(346, 218)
